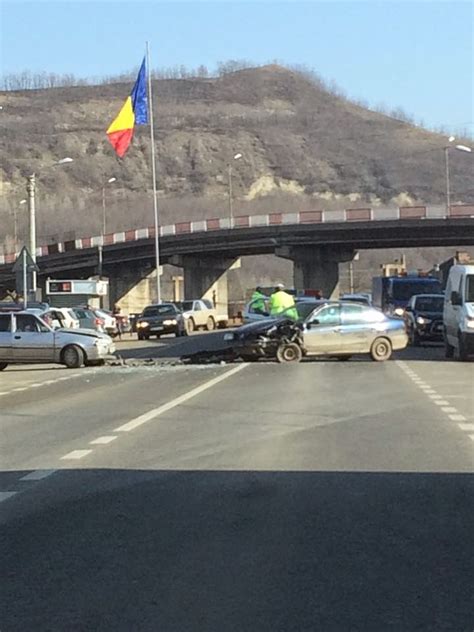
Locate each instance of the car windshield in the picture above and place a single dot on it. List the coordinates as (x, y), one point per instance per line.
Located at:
(429, 304)
(404, 290)
(470, 288)
(159, 310)
(302, 309)
(187, 306)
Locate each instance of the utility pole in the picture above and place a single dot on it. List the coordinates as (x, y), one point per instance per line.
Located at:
(231, 211)
(448, 188)
(30, 189)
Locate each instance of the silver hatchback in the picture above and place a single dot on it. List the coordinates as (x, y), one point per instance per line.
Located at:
(25, 338)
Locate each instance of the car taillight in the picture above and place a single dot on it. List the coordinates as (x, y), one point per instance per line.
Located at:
(100, 322)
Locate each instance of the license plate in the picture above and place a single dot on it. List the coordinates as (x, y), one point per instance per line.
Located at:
(156, 328)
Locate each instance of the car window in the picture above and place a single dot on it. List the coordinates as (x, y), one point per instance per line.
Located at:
(329, 315)
(470, 288)
(26, 323)
(5, 322)
(187, 306)
(351, 314)
(208, 303)
(197, 306)
(159, 310)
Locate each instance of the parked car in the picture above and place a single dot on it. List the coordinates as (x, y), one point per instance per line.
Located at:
(458, 312)
(424, 318)
(324, 328)
(201, 313)
(109, 320)
(157, 320)
(363, 298)
(26, 338)
(58, 317)
(88, 319)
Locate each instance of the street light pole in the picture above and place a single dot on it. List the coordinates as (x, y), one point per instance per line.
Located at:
(31, 190)
(448, 186)
(231, 210)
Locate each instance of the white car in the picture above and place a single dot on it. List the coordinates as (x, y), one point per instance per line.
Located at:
(458, 312)
(58, 317)
(110, 322)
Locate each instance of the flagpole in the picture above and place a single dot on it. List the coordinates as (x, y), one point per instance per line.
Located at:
(153, 171)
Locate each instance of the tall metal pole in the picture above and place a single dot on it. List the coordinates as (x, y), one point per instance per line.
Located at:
(30, 189)
(448, 189)
(231, 210)
(104, 219)
(25, 280)
(153, 171)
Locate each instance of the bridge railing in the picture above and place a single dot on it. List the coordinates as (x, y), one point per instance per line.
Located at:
(319, 216)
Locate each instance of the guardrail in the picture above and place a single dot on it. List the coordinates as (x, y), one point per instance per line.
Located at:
(364, 214)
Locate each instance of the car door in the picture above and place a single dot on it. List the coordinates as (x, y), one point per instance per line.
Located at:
(5, 337)
(356, 329)
(33, 341)
(322, 330)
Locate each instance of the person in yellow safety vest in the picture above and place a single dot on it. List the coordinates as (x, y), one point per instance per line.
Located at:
(258, 301)
(281, 301)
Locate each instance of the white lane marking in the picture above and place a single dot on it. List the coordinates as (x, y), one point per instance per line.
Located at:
(449, 409)
(156, 412)
(457, 417)
(435, 396)
(37, 475)
(21, 388)
(103, 440)
(3, 393)
(5, 495)
(466, 427)
(76, 454)
(441, 402)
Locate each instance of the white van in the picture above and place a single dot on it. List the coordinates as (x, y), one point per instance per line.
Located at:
(458, 313)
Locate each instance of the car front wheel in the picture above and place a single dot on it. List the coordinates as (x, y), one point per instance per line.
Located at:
(289, 352)
(3, 366)
(381, 350)
(73, 357)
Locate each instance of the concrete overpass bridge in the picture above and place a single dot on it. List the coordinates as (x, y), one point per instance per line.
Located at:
(316, 242)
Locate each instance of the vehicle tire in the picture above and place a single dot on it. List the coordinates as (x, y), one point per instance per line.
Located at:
(381, 349)
(249, 358)
(190, 326)
(141, 337)
(462, 351)
(415, 340)
(3, 366)
(210, 324)
(289, 352)
(448, 350)
(72, 356)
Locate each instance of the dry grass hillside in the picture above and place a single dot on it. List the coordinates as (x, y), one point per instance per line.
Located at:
(302, 147)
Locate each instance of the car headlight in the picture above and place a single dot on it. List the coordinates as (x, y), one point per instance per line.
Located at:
(170, 321)
(143, 323)
(470, 323)
(229, 336)
(421, 321)
(399, 311)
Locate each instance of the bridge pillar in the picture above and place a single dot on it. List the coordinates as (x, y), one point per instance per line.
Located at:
(205, 277)
(316, 268)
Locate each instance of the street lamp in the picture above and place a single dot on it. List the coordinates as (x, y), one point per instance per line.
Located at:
(15, 221)
(104, 224)
(31, 190)
(446, 160)
(231, 211)
(104, 219)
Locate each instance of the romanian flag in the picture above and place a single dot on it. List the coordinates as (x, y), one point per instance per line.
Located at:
(134, 112)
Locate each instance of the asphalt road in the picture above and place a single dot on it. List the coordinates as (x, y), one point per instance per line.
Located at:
(319, 496)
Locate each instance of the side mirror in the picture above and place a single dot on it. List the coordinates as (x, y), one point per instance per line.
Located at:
(456, 298)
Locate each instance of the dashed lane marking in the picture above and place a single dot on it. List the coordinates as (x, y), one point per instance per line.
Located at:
(103, 440)
(156, 412)
(76, 454)
(5, 495)
(37, 475)
(466, 427)
(437, 399)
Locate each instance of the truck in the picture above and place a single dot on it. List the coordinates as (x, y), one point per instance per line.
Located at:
(392, 293)
(201, 314)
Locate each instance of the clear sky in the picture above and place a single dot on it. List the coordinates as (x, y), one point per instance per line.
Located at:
(417, 55)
